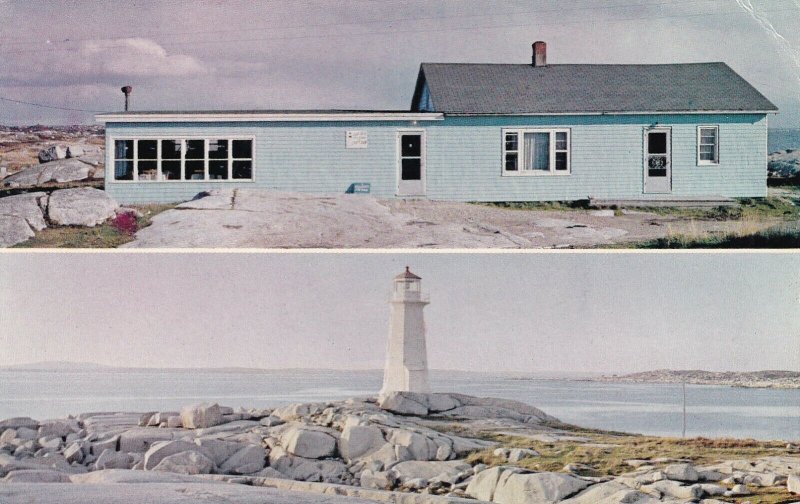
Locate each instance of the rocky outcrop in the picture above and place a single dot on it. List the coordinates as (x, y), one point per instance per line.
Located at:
(359, 448)
(784, 164)
(87, 167)
(84, 206)
(201, 416)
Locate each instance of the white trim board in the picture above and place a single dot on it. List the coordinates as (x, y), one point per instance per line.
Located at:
(266, 117)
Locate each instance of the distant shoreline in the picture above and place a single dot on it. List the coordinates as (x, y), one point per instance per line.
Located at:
(749, 379)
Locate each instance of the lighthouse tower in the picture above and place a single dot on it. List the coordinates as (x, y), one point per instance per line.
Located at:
(406, 356)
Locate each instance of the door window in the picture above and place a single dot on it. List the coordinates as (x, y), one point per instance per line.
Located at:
(411, 157)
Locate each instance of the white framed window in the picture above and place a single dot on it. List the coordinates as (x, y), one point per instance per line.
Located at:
(536, 151)
(147, 159)
(708, 145)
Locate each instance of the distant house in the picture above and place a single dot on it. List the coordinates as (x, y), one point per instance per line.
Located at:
(475, 132)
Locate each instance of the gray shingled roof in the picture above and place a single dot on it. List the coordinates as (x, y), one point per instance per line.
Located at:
(457, 88)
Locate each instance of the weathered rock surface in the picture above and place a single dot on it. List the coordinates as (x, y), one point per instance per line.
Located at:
(36, 476)
(83, 206)
(29, 206)
(359, 440)
(162, 449)
(201, 416)
(14, 230)
(248, 460)
(187, 462)
(62, 170)
(309, 443)
(784, 164)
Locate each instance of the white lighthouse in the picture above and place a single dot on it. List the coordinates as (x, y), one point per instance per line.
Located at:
(406, 356)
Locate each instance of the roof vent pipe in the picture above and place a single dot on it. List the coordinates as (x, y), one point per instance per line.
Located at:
(127, 90)
(539, 58)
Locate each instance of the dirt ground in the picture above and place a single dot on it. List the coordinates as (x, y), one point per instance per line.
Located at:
(269, 219)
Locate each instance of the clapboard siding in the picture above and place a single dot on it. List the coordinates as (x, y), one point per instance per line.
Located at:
(464, 158)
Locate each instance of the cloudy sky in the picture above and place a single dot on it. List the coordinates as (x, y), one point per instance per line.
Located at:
(212, 54)
(496, 312)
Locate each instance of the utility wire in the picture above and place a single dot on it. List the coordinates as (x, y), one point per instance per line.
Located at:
(395, 32)
(353, 23)
(51, 106)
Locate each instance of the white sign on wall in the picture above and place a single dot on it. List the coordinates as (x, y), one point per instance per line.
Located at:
(355, 140)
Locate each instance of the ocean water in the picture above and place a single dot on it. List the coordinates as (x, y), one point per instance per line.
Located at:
(643, 408)
(782, 139)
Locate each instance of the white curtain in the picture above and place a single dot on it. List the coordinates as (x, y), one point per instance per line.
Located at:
(537, 151)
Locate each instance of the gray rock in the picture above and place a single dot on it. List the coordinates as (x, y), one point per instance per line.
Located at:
(27, 206)
(219, 450)
(301, 469)
(52, 153)
(538, 487)
(674, 489)
(74, 151)
(162, 449)
(36, 476)
(483, 485)
(271, 421)
(55, 428)
(8, 435)
(110, 459)
(140, 439)
(381, 480)
(359, 440)
(74, 453)
(710, 490)
(84, 206)
(681, 472)
(416, 483)
(200, 416)
(737, 491)
(517, 454)
(793, 483)
(404, 403)
(412, 469)
(174, 422)
(14, 230)
(307, 443)
(17, 422)
(26, 433)
(610, 492)
(297, 411)
(248, 460)
(412, 446)
(50, 442)
(188, 462)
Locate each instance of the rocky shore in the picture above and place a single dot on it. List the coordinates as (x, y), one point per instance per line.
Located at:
(751, 379)
(403, 448)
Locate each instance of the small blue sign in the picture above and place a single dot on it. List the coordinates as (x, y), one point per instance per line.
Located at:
(359, 188)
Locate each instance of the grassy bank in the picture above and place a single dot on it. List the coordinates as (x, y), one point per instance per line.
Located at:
(607, 452)
(106, 235)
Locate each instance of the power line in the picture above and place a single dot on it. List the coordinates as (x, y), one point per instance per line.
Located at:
(323, 25)
(393, 32)
(51, 106)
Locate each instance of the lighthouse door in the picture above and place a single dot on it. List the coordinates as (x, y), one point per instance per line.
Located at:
(411, 163)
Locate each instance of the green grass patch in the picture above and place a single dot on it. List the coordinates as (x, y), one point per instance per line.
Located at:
(781, 236)
(103, 236)
(607, 453)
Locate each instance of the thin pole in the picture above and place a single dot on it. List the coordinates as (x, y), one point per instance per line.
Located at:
(684, 408)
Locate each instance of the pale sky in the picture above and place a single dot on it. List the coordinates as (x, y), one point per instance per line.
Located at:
(212, 54)
(489, 312)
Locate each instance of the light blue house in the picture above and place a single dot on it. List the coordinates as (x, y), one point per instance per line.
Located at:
(475, 132)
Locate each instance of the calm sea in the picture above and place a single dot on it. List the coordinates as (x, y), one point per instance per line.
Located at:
(648, 409)
(782, 139)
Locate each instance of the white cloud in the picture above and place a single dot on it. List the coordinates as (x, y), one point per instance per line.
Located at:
(100, 61)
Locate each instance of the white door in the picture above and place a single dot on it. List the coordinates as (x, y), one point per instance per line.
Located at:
(411, 163)
(658, 160)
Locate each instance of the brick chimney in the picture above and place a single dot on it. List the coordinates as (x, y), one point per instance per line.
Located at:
(539, 58)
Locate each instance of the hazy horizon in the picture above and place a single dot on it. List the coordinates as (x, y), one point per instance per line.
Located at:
(520, 313)
(355, 54)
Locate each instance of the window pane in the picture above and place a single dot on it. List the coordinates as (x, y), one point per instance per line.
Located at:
(218, 149)
(561, 161)
(170, 170)
(147, 149)
(195, 170)
(511, 142)
(195, 149)
(707, 149)
(561, 140)
(123, 170)
(708, 132)
(170, 149)
(511, 161)
(218, 170)
(537, 151)
(411, 145)
(147, 169)
(243, 149)
(411, 169)
(123, 149)
(657, 166)
(657, 143)
(242, 169)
